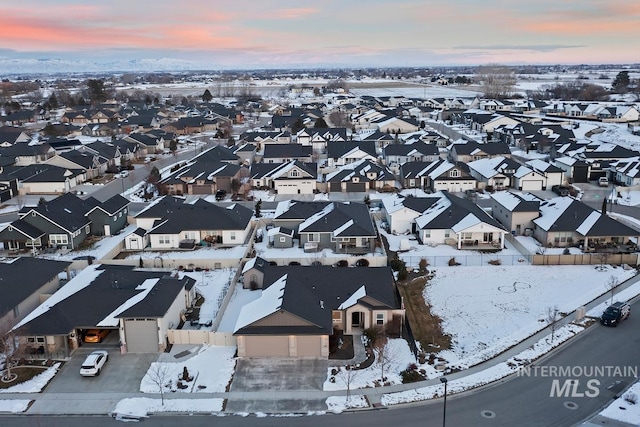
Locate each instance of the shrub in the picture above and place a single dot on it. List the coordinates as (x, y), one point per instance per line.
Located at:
(631, 398)
(411, 376)
(495, 262)
(453, 262)
(423, 264)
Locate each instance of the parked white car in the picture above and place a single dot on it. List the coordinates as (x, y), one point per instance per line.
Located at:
(92, 365)
(122, 174)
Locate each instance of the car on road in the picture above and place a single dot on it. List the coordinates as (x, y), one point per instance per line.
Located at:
(95, 335)
(92, 365)
(122, 174)
(615, 313)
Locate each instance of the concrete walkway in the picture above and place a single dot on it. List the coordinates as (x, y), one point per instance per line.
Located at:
(273, 400)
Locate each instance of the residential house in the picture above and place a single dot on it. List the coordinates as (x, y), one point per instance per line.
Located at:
(320, 138)
(461, 223)
(437, 175)
(401, 211)
(301, 308)
(564, 221)
(28, 154)
(64, 222)
(172, 224)
(496, 172)
(516, 211)
(137, 307)
(397, 154)
(292, 177)
(343, 227)
(360, 176)
(283, 153)
(470, 150)
(553, 175)
(204, 177)
(340, 153)
(45, 179)
(627, 172)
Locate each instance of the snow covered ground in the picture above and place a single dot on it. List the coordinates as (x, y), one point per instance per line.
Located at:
(626, 408)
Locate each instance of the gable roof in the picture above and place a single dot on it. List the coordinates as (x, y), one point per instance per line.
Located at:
(311, 293)
(342, 219)
(203, 215)
(454, 213)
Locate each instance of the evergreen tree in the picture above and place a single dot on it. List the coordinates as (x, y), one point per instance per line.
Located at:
(206, 96)
(621, 82)
(258, 207)
(321, 123)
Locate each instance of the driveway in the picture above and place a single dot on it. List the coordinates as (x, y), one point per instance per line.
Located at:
(296, 380)
(122, 373)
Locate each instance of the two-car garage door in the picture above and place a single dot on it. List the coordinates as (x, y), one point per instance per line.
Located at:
(141, 335)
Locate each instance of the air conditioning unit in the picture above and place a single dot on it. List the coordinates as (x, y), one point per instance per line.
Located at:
(64, 248)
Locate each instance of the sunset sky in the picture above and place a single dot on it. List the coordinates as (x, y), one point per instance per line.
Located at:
(281, 33)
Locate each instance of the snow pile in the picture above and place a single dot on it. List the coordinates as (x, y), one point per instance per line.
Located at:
(14, 406)
(338, 404)
(140, 407)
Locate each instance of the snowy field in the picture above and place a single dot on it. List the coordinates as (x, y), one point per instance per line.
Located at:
(626, 408)
(510, 300)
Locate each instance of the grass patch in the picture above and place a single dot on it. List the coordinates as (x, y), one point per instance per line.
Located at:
(426, 327)
(24, 373)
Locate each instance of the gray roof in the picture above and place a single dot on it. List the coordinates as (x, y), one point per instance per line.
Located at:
(312, 292)
(22, 277)
(86, 308)
(203, 215)
(159, 299)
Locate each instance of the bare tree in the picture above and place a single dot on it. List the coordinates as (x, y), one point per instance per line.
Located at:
(611, 285)
(159, 375)
(552, 317)
(348, 375)
(498, 81)
(8, 347)
(387, 357)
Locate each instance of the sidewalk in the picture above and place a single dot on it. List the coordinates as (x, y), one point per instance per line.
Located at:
(278, 401)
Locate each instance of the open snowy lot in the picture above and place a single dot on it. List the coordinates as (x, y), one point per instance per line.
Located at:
(510, 301)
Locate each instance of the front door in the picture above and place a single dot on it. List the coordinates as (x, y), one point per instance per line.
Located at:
(488, 237)
(356, 319)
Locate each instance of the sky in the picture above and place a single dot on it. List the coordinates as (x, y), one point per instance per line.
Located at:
(287, 33)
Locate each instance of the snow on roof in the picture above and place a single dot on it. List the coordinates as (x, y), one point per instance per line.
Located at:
(524, 171)
(315, 217)
(145, 287)
(551, 210)
(343, 227)
(442, 168)
(433, 212)
(269, 302)
(506, 199)
(588, 223)
(353, 299)
(468, 221)
(393, 203)
(487, 167)
(283, 207)
(566, 160)
(195, 178)
(212, 174)
(81, 281)
(249, 265)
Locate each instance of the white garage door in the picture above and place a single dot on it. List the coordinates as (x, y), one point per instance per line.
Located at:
(531, 185)
(141, 335)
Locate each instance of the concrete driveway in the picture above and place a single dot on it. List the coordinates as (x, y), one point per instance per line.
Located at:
(257, 379)
(122, 373)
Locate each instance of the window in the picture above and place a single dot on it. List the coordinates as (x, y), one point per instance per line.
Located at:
(35, 340)
(115, 218)
(454, 173)
(379, 318)
(427, 234)
(336, 316)
(446, 234)
(314, 237)
(164, 240)
(233, 235)
(16, 311)
(295, 173)
(283, 239)
(466, 236)
(86, 229)
(59, 239)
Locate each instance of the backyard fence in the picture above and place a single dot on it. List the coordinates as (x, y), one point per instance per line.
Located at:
(196, 337)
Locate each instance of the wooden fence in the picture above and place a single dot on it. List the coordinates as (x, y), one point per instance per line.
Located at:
(197, 336)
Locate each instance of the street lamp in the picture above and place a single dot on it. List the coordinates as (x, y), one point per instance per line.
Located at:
(443, 380)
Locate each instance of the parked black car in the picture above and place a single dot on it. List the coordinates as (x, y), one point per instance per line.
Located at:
(220, 195)
(560, 190)
(615, 313)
